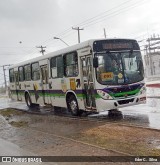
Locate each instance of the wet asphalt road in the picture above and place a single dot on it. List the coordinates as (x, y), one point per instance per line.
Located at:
(147, 115)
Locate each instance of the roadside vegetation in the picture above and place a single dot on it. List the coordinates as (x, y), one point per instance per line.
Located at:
(19, 123)
(130, 140)
(9, 114)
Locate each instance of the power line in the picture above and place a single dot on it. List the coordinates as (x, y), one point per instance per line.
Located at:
(114, 13)
(96, 19)
(86, 21)
(101, 14)
(90, 19)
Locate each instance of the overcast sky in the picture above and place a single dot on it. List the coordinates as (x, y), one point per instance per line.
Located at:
(26, 24)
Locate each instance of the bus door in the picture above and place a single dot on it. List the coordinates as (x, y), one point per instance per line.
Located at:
(88, 84)
(45, 86)
(17, 86)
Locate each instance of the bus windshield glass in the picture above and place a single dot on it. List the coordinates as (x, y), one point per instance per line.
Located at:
(119, 67)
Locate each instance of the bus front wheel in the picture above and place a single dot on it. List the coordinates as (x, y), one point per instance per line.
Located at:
(73, 106)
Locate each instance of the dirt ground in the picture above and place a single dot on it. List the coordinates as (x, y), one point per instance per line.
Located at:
(52, 135)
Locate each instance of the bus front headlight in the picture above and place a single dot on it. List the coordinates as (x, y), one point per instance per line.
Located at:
(142, 90)
(104, 95)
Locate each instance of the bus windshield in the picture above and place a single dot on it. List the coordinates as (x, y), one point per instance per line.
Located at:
(116, 68)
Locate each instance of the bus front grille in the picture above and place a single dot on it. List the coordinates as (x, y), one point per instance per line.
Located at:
(120, 102)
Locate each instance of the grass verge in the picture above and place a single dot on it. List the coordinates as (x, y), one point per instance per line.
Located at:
(134, 141)
(19, 123)
(10, 112)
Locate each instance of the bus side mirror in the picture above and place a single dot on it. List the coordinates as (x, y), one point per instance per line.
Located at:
(95, 62)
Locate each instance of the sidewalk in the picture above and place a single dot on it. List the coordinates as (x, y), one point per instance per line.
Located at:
(153, 84)
(153, 89)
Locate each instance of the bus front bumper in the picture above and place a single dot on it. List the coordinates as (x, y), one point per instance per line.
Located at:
(119, 103)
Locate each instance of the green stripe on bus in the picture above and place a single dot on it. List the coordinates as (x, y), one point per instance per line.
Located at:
(125, 93)
(80, 96)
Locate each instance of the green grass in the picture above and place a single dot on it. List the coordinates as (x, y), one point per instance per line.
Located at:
(10, 112)
(133, 146)
(19, 123)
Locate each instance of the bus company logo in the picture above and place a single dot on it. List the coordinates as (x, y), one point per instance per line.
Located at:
(6, 159)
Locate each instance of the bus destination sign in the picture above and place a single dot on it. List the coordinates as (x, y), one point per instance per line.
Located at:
(113, 46)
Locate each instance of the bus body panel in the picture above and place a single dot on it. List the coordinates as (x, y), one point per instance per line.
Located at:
(123, 101)
(86, 87)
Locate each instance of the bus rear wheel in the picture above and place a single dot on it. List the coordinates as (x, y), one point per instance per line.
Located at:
(28, 100)
(73, 106)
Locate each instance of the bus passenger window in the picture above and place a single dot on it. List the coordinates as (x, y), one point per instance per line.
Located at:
(27, 72)
(21, 73)
(35, 71)
(71, 64)
(60, 69)
(11, 75)
(53, 67)
(57, 69)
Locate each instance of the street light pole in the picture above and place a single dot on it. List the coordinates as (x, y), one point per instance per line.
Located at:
(57, 38)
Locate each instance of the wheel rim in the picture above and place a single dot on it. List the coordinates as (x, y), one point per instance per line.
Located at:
(73, 106)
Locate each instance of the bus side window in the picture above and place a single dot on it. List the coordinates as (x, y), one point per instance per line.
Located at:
(27, 72)
(53, 67)
(71, 64)
(57, 69)
(60, 68)
(35, 71)
(11, 75)
(21, 73)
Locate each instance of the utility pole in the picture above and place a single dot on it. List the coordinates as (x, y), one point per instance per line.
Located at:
(5, 81)
(42, 50)
(150, 58)
(78, 29)
(149, 40)
(105, 33)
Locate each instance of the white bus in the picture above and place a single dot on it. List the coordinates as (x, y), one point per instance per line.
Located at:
(95, 75)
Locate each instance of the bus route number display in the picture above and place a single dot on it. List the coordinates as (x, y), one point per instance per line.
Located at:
(112, 46)
(107, 76)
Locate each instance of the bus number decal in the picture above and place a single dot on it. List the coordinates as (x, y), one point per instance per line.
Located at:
(72, 84)
(35, 87)
(63, 85)
(107, 76)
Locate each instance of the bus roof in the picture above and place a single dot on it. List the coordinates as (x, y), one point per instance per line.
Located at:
(63, 51)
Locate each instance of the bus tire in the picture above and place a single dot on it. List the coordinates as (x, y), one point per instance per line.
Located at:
(28, 100)
(73, 106)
